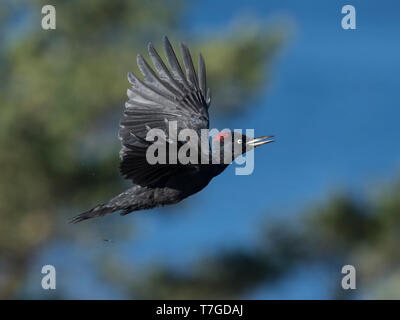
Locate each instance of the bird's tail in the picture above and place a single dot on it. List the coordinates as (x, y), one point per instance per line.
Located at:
(98, 211)
(126, 202)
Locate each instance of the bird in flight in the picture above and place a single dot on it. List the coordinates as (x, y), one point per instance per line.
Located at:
(168, 95)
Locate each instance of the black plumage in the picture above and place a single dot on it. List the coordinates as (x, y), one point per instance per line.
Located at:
(171, 94)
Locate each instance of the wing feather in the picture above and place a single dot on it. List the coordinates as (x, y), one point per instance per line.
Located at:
(188, 63)
(154, 81)
(163, 95)
(174, 64)
(163, 71)
(202, 76)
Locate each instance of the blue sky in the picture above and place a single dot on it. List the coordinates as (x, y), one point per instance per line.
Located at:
(333, 104)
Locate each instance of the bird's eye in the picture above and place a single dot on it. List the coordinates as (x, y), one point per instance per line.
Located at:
(239, 141)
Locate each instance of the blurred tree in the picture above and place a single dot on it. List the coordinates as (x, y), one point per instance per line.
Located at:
(59, 90)
(342, 231)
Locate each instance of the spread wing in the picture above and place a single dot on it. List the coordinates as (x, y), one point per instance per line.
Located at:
(168, 95)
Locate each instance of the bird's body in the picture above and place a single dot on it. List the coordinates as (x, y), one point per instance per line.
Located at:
(162, 98)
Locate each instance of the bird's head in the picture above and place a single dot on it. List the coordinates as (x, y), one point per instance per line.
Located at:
(238, 143)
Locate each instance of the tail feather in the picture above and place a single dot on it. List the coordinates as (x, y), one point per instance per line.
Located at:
(133, 199)
(98, 211)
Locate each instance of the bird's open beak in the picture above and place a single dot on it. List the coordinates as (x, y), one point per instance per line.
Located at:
(260, 141)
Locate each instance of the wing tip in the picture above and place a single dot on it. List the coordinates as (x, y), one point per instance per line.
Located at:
(139, 60)
(150, 47)
(168, 46)
(201, 58)
(129, 75)
(183, 45)
(166, 41)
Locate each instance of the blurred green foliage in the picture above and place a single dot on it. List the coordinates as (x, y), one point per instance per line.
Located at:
(61, 94)
(342, 230)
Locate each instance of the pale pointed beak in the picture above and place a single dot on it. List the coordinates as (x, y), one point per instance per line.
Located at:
(260, 141)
